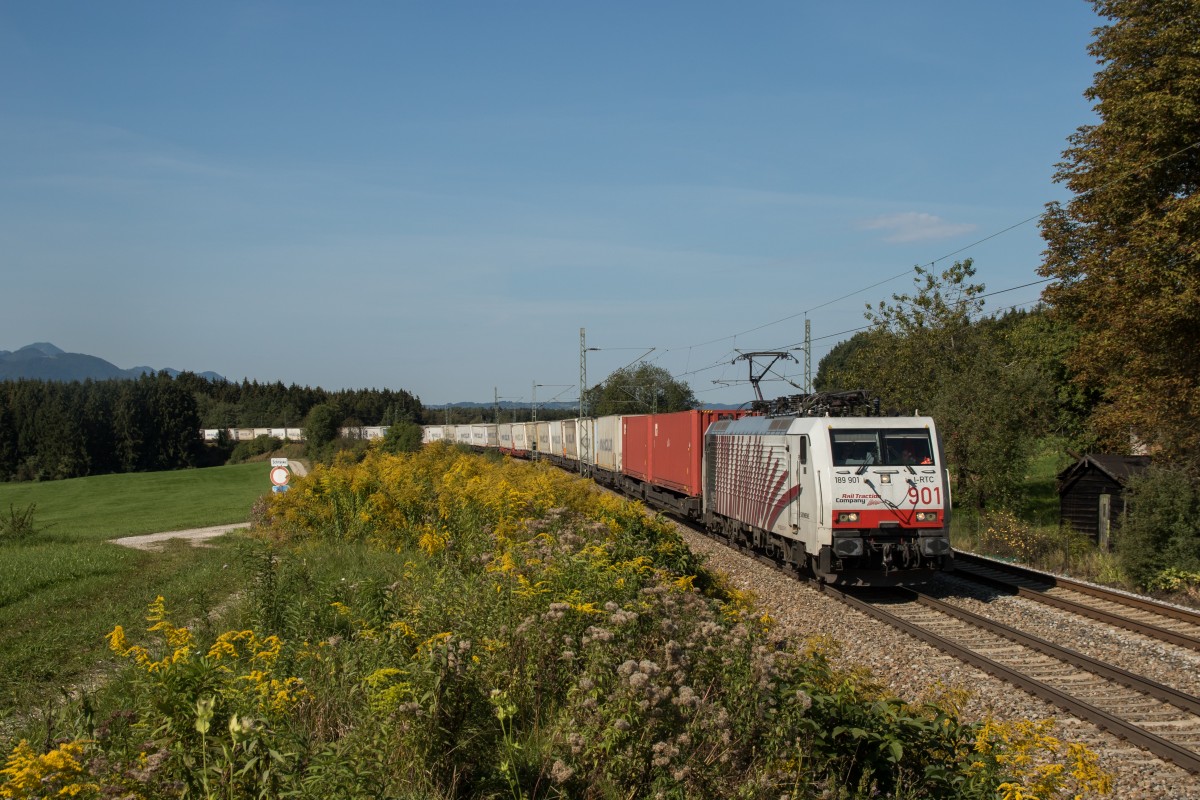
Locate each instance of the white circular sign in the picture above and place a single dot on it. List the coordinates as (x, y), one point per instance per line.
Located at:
(279, 476)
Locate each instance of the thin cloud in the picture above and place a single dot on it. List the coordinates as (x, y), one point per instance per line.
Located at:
(915, 226)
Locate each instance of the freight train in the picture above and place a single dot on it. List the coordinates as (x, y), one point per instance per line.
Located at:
(854, 500)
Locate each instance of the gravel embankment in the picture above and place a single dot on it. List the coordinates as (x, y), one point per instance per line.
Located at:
(909, 667)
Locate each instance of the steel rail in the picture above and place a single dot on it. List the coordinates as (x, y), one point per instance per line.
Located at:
(1133, 601)
(1158, 691)
(1144, 628)
(1163, 748)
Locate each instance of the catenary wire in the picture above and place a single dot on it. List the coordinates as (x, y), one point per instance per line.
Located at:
(964, 248)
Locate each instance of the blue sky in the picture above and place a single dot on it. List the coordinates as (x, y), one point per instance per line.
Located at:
(438, 196)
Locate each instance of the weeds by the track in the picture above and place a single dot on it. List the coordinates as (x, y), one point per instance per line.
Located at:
(444, 625)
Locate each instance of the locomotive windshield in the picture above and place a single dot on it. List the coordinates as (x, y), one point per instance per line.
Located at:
(890, 447)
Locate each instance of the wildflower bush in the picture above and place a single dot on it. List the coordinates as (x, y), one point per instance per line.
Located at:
(446, 625)
(1176, 582)
(1002, 533)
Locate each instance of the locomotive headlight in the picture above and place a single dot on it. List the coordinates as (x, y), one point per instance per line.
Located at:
(847, 516)
(926, 516)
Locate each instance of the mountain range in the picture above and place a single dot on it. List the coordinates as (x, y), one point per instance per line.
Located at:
(43, 361)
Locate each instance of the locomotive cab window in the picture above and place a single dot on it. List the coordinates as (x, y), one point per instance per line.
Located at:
(885, 448)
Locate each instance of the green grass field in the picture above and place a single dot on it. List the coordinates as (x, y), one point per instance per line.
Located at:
(63, 590)
(110, 506)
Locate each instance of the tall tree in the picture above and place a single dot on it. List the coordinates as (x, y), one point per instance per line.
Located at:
(1125, 251)
(930, 352)
(321, 425)
(641, 389)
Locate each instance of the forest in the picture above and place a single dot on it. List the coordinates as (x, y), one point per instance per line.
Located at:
(52, 430)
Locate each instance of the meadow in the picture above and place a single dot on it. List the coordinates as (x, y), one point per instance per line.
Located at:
(63, 586)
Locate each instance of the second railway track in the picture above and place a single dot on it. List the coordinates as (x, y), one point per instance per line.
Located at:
(1137, 693)
(1141, 615)
(1162, 720)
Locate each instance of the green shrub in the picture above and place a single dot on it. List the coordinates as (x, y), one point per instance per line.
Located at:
(1173, 580)
(259, 445)
(1161, 530)
(402, 437)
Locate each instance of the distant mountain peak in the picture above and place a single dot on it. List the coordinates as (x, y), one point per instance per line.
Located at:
(44, 361)
(43, 347)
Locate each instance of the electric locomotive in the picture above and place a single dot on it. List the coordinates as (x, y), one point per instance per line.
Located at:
(858, 500)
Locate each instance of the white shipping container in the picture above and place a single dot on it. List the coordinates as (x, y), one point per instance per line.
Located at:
(570, 445)
(484, 435)
(556, 437)
(586, 438)
(607, 443)
(519, 443)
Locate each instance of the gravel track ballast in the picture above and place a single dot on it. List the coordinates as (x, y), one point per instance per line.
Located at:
(911, 668)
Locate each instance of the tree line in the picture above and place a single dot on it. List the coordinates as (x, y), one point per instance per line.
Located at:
(51, 430)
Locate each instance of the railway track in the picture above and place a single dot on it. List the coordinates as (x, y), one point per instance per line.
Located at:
(1155, 717)
(1138, 614)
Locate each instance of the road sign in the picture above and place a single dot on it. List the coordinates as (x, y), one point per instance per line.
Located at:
(279, 462)
(280, 475)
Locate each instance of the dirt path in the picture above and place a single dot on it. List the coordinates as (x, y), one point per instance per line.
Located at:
(197, 537)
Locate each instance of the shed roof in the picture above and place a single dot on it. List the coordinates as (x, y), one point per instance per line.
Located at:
(1117, 467)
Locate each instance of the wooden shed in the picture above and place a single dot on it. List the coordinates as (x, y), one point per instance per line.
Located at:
(1091, 492)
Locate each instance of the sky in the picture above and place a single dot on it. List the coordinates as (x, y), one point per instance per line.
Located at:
(437, 196)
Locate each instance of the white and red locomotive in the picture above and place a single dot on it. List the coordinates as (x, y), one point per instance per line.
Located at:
(854, 499)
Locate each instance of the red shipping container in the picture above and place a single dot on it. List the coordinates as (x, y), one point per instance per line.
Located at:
(667, 450)
(635, 446)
